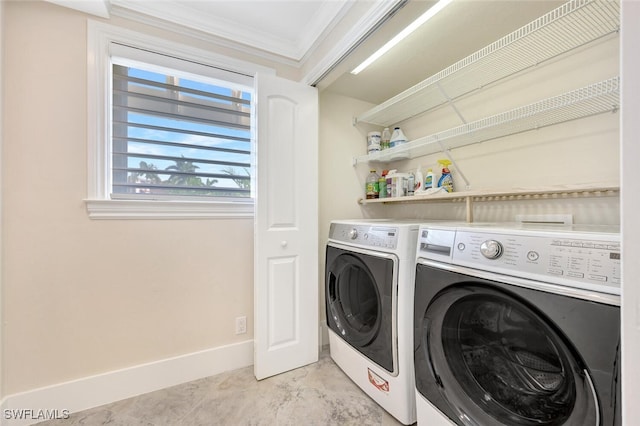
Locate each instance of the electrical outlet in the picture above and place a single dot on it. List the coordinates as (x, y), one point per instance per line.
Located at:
(241, 325)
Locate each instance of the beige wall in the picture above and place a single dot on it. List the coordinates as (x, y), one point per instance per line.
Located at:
(84, 296)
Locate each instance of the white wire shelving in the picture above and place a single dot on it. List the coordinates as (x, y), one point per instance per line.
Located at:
(587, 101)
(596, 190)
(574, 24)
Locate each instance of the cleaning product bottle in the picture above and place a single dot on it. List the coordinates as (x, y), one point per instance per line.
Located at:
(382, 185)
(390, 174)
(428, 179)
(385, 142)
(372, 185)
(397, 137)
(411, 184)
(419, 184)
(445, 181)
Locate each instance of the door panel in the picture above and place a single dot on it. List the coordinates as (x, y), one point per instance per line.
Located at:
(282, 302)
(281, 161)
(286, 240)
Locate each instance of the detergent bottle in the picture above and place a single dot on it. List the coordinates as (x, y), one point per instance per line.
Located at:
(445, 181)
(428, 179)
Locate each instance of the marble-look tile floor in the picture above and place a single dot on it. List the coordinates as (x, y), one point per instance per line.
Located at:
(318, 394)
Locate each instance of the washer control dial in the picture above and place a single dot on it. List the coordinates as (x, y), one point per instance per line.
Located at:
(491, 249)
(353, 233)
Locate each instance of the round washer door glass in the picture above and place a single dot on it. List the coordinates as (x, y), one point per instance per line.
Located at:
(354, 300)
(501, 362)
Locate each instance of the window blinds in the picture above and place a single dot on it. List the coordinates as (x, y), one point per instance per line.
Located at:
(178, 137)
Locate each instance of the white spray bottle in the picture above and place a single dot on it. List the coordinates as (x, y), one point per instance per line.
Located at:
(419, 181)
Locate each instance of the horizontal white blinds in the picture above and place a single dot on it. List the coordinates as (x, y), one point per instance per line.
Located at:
(174, 136)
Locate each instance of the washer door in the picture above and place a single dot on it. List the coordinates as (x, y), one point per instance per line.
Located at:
(498, 361)
(359, 293)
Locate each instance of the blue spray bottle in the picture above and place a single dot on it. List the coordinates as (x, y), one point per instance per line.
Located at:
(445, 181)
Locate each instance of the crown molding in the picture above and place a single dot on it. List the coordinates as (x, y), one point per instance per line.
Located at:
(153, 21)
(185, 16)
(99, 8)
(376, 16)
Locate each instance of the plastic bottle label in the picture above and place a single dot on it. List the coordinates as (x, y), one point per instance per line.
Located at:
(373, 142)
(382, 188)
(446, 182)
(428, 182)
(373, 189)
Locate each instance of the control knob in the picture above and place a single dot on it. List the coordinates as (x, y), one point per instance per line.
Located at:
(353, 234)
(491, 249)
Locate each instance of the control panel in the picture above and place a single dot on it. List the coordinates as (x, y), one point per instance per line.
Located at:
(582, 260)
(365, 235)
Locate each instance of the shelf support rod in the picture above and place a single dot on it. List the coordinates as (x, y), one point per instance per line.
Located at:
(450, 102)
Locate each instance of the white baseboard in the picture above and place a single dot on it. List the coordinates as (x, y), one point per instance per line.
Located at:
(93, 391)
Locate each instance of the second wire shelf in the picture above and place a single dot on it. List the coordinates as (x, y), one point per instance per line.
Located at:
(587, 101)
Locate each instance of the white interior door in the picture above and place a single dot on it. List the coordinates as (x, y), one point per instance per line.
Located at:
(286, 230)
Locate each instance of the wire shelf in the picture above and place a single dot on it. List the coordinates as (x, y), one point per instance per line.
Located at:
(596, 190)
(570, 26)
(587, 101)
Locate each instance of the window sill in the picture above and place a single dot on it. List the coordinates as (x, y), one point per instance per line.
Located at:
(153, 209)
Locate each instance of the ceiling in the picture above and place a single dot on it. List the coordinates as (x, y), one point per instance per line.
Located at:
(288, 28)
(291, 31)
(462, 28)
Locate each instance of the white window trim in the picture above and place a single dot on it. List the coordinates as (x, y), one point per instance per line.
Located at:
(98, 202)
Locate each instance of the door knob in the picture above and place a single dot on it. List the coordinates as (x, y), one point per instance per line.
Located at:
(283, 243)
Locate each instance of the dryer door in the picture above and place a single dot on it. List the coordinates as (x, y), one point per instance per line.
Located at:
(359, 292)
(491, 358)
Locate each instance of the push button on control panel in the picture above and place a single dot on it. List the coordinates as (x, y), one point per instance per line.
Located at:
(533, 256)
(594, 277)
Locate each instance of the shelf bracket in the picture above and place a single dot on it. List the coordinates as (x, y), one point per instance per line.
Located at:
(450, 102)
(469, 203)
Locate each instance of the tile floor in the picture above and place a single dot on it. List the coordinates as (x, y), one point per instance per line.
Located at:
(318, 394)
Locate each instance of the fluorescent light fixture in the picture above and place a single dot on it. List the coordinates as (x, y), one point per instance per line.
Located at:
(402, 34)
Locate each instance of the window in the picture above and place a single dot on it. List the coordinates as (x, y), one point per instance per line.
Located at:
(175, 137)
(170, 129)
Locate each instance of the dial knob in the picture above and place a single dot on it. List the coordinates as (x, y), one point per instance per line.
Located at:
(353, 234)
(491, 249)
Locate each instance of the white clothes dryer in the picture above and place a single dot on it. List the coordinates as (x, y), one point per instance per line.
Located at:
(369, 278)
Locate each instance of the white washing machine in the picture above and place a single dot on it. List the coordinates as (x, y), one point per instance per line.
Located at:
(369, 280)
(517, 325)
